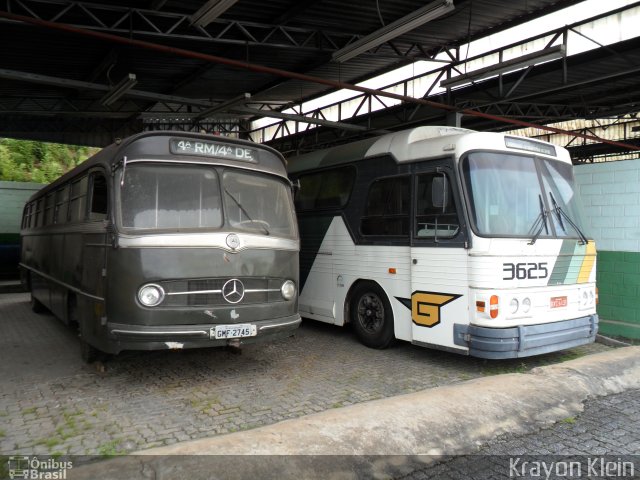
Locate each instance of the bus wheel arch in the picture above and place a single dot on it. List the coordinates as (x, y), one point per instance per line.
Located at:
(72, 311)
(370, 314)
(88, 352)
(36, 305)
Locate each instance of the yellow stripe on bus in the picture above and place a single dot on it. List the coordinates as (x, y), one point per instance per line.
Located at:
(587, 263)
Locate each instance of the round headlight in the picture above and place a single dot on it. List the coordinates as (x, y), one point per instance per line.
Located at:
(513, 305)
(288, 290)
(526, 305)
(585, 298)
(151, 295)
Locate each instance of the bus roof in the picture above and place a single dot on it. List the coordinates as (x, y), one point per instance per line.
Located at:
(163, 146)
(408, 146)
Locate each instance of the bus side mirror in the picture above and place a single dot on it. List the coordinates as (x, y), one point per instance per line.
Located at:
(440, 192)
(295, 186)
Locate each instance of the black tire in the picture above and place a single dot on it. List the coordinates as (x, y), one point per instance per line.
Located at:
(88, 353)
(36, 305)
(371, 315)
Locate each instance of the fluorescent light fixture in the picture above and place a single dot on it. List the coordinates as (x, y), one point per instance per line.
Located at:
(210, 11)
(395, 29)
(119, 89)
(223, 105)
(552, 53)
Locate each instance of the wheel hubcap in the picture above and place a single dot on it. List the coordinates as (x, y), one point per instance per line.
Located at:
(371, 312)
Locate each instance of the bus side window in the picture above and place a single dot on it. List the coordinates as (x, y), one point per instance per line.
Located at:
(387, 209)
(25, 217)
(30, 211)
(325, 189)
(39, 214)
(62, 205)
(77, 203)
(99, 197)
(436, 215)
(49, 208)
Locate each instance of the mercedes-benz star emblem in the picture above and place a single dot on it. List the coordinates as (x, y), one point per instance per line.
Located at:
(233, 241)
(233, 291)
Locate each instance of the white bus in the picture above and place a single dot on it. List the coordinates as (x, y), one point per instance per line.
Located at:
(447, 238)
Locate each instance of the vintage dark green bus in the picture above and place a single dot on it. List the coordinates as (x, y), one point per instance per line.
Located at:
(166, 240)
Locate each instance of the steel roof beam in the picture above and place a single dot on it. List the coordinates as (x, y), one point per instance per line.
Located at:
(298, 118)
(157, 97)
(170, 25)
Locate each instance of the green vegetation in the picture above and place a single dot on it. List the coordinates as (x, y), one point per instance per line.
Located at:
(39, 162)
(205, 405)
(109, 449)
(569, 420)
(502, 367)
(4, 466)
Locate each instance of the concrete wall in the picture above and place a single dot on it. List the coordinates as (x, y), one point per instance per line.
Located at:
(611, 196)
(13, 196)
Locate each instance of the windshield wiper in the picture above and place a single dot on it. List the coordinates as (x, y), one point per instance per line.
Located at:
(257, 222)
(560, 213)
(540, 223)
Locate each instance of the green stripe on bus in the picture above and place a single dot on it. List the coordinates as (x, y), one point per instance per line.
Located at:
(575, 264)
(561, 268)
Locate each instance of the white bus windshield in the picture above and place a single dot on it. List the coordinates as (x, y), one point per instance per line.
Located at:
(509, 194)
(187, 197)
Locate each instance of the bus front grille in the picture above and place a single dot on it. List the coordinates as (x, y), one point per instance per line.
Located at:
(208, 292)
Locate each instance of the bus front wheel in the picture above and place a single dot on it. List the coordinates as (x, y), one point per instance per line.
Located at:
(88, 353)
(371, 316)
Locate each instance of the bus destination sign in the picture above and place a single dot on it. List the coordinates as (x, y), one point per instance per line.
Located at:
(213, 149)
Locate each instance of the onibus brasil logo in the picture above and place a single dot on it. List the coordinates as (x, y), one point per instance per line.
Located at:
(36, 469)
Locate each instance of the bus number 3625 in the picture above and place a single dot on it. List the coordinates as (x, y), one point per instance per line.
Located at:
(524, 271)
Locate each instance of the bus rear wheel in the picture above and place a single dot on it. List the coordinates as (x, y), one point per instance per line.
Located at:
(371, 316)
(36, 305)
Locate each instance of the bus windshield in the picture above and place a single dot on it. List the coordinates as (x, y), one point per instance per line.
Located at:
(188, 197)
(515, 195)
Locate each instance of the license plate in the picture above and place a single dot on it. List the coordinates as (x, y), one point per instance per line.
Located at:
(557, 302)
(233, 331)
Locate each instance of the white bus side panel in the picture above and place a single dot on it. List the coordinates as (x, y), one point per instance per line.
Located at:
(439, 294)
(340, 263)
(317, 298)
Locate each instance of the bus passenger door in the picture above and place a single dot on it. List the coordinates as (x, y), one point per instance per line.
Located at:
(438, 256)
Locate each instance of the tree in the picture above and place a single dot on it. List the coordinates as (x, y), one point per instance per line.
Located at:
(31, 161)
